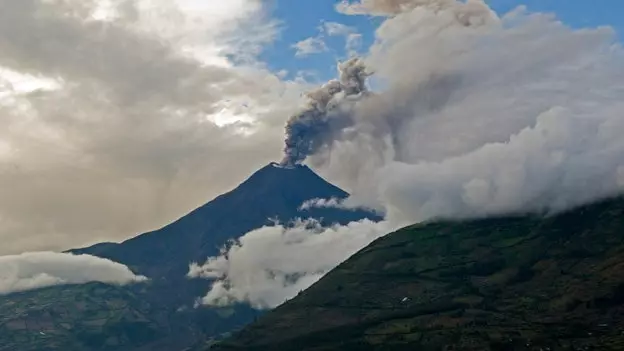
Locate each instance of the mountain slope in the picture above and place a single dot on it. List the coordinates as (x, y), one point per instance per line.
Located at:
(273, 192)
(90, 316)
(522, 283)
(103, 317)
(80, 318)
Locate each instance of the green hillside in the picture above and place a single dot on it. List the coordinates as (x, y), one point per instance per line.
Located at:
(87, 317)
(522, 283)
(105, 318)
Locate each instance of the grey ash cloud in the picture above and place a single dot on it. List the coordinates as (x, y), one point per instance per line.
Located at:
(312, 128)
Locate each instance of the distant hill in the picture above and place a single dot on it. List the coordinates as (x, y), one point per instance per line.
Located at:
(81, 317)
(516, 283)
(86, 317)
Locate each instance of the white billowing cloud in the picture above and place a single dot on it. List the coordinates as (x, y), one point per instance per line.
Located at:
(472, 117)
(119, 116)
(267, 266)
(34, 270)
(475, 126)
(552, 166)
(309, 46)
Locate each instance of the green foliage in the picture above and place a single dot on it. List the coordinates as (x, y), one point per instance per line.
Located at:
(80, 317)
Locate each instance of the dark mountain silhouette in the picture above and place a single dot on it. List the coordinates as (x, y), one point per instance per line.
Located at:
(516, 283)
(272, 193)
(159, 314)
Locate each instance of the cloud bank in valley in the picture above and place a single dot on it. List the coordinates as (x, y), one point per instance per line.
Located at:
(35, 270)
(473, 115)
(271, 264)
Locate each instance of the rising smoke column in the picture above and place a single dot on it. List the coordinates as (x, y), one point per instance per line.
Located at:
(323, 122)
(310, 129)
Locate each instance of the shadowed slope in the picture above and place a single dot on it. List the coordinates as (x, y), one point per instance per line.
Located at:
(273, 192)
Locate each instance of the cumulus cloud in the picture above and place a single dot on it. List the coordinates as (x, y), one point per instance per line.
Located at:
(119, 116)
(309, 46)
(474, 126)
(34, 270)
(270, 265)
(473, 115)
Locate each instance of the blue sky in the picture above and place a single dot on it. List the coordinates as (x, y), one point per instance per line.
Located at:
(301, 19)
(576, 13)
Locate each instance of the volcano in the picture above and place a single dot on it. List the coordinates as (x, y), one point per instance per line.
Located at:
(272, 193)
(158, 315)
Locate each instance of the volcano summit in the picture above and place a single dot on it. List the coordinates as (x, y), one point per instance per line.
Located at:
(273, 193)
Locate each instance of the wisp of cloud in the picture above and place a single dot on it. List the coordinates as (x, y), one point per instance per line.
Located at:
(35, 270)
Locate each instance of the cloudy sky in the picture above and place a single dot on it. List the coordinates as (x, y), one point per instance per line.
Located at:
(474, 109)
(122, 115)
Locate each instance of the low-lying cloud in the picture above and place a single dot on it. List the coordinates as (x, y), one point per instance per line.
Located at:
(267, 266)
(35, 270)
(322, 203)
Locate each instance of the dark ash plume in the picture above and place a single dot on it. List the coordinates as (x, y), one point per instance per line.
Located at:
(309, 130)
